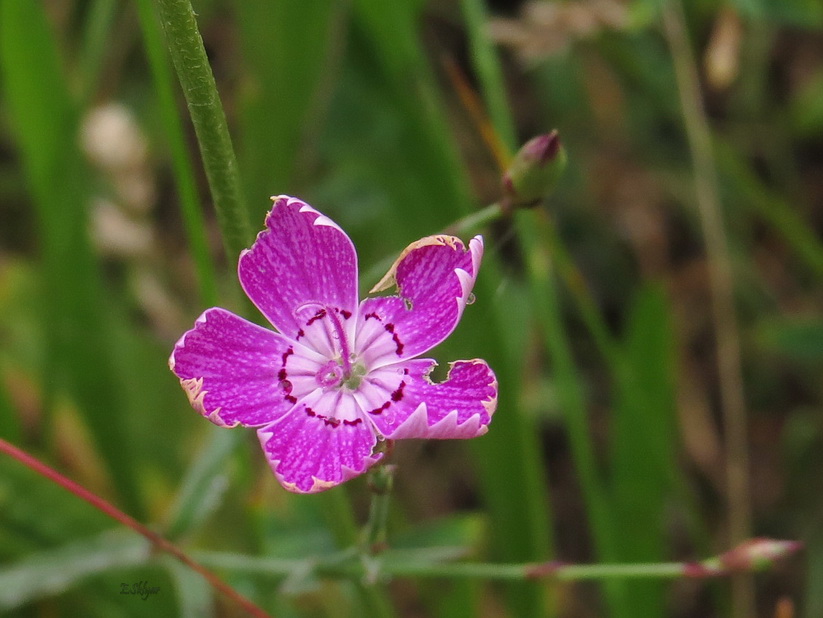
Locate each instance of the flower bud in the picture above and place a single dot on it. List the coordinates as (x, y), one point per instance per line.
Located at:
(534, 172)
(758, 554)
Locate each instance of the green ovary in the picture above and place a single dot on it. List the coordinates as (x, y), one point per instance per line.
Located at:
(352, 382)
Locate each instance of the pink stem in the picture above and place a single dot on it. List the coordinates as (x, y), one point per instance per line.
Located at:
(109, 509)
(344, 342)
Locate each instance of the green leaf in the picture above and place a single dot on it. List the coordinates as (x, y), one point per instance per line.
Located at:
(800, 339)
(194, 593)
(804, 13)
(204, 482)
(643, 446)
(75, 315)
(54, 571)
(287, 83)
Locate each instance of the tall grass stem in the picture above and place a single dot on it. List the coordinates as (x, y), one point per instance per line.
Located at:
(721, 282)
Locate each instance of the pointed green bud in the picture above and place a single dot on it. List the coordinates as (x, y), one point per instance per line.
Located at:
(534, 172)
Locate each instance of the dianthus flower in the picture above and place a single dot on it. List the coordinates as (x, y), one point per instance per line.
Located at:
(340, 375)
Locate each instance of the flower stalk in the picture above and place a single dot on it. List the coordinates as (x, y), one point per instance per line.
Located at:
(381, 482)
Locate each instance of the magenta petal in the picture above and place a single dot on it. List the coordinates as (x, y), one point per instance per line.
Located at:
(434, 277)
(233, 370)
(303, 262)
(402, 402)
(321, 443)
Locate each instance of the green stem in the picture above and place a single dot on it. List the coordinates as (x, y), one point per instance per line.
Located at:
(381, 480)
(753, 555)
(476, 220)
(196, 78)
(543, 251)
(571, 572)
(339, 517)
(462, 227)
(566, 268)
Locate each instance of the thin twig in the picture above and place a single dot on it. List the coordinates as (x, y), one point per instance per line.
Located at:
(112, 511)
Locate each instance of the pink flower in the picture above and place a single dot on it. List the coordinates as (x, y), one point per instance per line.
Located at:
(339, 376)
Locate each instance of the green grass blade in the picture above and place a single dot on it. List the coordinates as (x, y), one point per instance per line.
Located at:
(749, 192)
(643, 430)
(100, 18)
(286, 80)
(487, 65)
(194, 594)
(203, 482)
(508, 457)
(426, 153)
(75, 313)
(535, 233)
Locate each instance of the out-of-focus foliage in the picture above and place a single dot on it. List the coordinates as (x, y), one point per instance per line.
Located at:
(594, 309)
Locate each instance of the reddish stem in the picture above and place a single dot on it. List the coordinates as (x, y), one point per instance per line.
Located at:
(109, 509)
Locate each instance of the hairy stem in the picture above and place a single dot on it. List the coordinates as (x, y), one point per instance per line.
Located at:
(194, 72)
(184, 176)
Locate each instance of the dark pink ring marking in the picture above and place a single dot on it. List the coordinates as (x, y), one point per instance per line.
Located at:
(396, 396)
(283, 376)
(390, 328)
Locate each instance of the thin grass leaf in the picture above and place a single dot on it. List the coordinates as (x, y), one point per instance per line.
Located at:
(195, 598)
(642, 444)
(534, 231)
(749, 192)
(427, 152)
(204, 482)
(285, 74)
(46, 517)
(100, 17)
(74, 311)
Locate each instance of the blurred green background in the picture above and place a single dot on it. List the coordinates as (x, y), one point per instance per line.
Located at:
(594, 309)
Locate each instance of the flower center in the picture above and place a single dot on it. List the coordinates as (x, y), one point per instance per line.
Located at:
(332, 374)
(338, 339)
(352, 381)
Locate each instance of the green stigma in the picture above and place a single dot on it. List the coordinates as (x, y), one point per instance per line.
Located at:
(352, 382)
